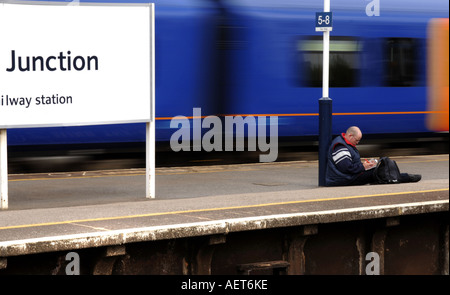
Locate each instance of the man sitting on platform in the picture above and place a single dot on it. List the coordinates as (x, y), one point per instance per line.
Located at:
(344, 166)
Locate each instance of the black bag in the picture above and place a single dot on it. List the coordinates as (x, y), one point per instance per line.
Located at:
(387, 171)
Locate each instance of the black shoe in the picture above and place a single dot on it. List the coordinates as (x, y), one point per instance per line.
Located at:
(414, 177)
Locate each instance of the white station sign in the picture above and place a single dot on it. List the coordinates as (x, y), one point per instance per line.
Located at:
(66, 65)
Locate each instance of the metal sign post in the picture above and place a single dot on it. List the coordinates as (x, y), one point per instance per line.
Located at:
(324, 22)
(150, 170)
(3, 170)
(150, 173)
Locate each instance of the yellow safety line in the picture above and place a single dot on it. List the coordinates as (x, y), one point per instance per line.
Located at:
(217, 209)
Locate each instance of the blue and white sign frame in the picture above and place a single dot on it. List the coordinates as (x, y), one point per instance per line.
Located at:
(68, 65)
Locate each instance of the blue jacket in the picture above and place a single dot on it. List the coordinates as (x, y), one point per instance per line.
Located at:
(334, 176)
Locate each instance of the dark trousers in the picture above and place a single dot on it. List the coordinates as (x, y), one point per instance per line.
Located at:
(369, 177)
(364, 178)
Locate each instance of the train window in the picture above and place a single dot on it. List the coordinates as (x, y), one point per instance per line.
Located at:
(400, 70)
(344, 61)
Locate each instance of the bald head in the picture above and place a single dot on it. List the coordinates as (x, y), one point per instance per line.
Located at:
(354, 130)
(354, 135)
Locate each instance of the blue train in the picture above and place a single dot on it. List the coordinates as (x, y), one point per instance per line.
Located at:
(264, 57)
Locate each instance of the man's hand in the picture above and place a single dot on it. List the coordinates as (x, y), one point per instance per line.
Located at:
(369, 164)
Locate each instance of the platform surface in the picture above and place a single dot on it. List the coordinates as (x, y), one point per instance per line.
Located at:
(65, 207)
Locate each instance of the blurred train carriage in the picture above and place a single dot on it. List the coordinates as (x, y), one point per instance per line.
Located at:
(263, 57)
(377, 64)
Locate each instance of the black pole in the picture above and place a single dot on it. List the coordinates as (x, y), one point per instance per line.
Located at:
(325, 135)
